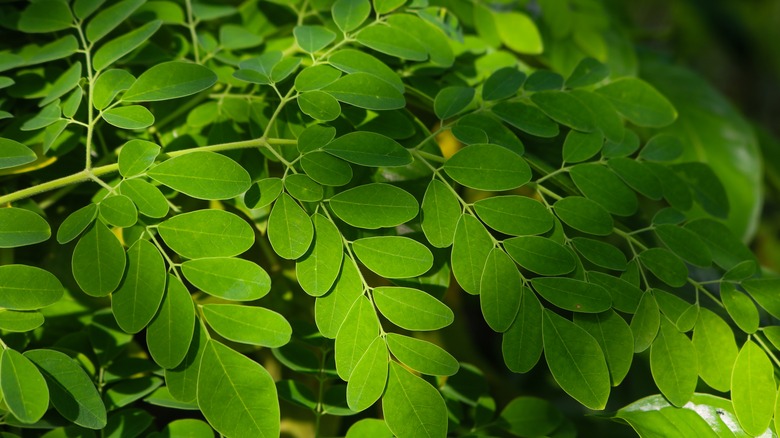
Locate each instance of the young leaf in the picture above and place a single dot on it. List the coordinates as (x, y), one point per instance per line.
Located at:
(313, 38)
(716, 350)
(170, 333)
(393, 256)
(514, 215)
(412, 309)
(470, 250)
(412, 407)
(600, 184)
(331, 309)
(369, 149)
(576, 361)
(318, 269)
(639, 102)
(572, 294)
(540, 255)
(136, 301)
(28, 288)
(564, 109)
(119, 211)
(98, 261)
(521, 345)
(452, 100)
(365, 90)
(289, 228)
(20, 321)
(228, 278)
(753, 389)
(170, 80)
(375, 205)
(20, 227)
(202, 175)
(500, 290)
(369, 378)
(136, 156)
(503, 83)
(236, 395)
(350, 14)
(519, 33)
(13, 153)
(71, 390)
(207, 233)
(24, 390)
(248, 325)
(488, 167)
(673, 363)
(530, 416)
(108, 85)
(148, 198)
(615, 339)
(360, 328)
(440, 214)
(422, 356)
(584, 215)
(645, 323)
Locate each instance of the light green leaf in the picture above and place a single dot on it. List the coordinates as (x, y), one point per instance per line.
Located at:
(115, 49)
(169, 334)
(66, 82)
(202, 175)
(764, 291)
(385, 6)
(576, 361)
(24, 390)
(228, 278)
(392, 41)
(45, 16)
(412, 309)
(581, 146)
(526, 118)
(412, 407)
(369, 149)
(685, 243)
(303, 188)
(488, 167)
(98, 261)
(237, 395)
(188, 427)
(289, 228)
(136, 156)
(470, 250)
(207, 233)
(263, 192)
(440, 214)
(314, 137)
(514, 215)
(20, 227)
(331, 309)
(393, 256)
(740, 308)
(600, 184)
(565, 109)
(45, 117)
(313, 38)
(572, 294)
(119, 211)
(615, 339)
(13, 153)
(108, 85)
(716, 350)
(422, 356)
(451, 101)
(318, 269)
(374, 205)
(316, 77)
(170, 80)
(369, 378)
(60, 48)
(350, 14)
(665, 265)
(148, 198)
(519, 33)
(584, 215)
(673, 363)
(530, 416)
(365, 90)
(372, 427)
(136, 301)
(71, 390)
(284, 68)
(353, 61)
(753, 389)
(109, 18)
(639, 102)
(358, 331)
(20, 321)
(600, 253)
(645, 323)
(521, 345)
(248, 325)
(625, 296)
(319, 105)
(326, 169)
(28, 288)
(540, 255)
(500, 290)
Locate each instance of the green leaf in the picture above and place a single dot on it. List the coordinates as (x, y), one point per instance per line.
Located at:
(115, 49)
(726, 248)
(584, 215)
(350, 14)
(764, 291)
(149, 199)
(358, 331)
(412, 407)
(207, 233)
(662, 147)
(615, 339)
(600, 184)
(248, 325)
(452, 100)
(430, 37)
(314, 137)
(20, 227)
(20, 321)
(575, 361)
(182, 381)
(331, 309)
(540, 255)
(673, 363)
(707, 187)
(645, 323)
(264, 192)
(369, 149)
(45, 16)
(289, 228)
(600, 253)
(108, 85)
(393, 256)
(313, 38)
(66, 82)
(319, 105)
(753, 389)
(581, 146)
(488, 167)
(129, 422)
(326, 169)
(13, 153)
(57, 49)
(587, 72)
(136, 301)
(521, 345)
(366, 90)
(45, 117)
(236, 395)
(665, 265)
(572, 294)
(119, 211)
(169, 334)
(716, 350)
(136, 156)
(500, 290)
(303, 188)
(318, 269)
(440, 214)
(470, 250)
(412, 309)
(625, 296)
(369, 378)
(188, 427)
(526, 118)
(228, 278)
(685, 243)
(519, 33)
(316, 77)
(284, 68)
(639, 102)
(503, 83)
(385, 6)
(392, 41)
(71, 390)
(235, 37)
(564, 109)
(24, 390)
(170, 80)
(109, 18)
(353, 61)
(740, 308)
(372, 427)
(28, 288)
(98, 261)
(514, 215)
(374, 205)
(422, 356)
(202, 175)
(530, 416)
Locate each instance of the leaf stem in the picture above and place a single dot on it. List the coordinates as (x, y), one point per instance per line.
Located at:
(766, 349)
(191, 23)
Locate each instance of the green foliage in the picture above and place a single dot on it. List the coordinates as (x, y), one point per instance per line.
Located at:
(358, 165)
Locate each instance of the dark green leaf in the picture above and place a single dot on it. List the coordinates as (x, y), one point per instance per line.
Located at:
(393, 256)
(665, 265)
(503, 83)
(615, 339)
(662, 147)
(707, 187)
(170, 80)
(28, 288)
(412, 309)
(115, 49)
(202, 175)
(365, 90)
(170, 333)
(412, 407)
(637, 176)
(313, 38)
(20, 227)
(685, 243)
(488, 167)
(564, 109)
(319, 105)
(24, 390)
(599, 184)
(514, 215)
(522, 343)
(119, 211)
(109, 18)
(136, 301)
(675, 189)
(452, 100)
(540, 255)
(581, 146)
(500, 290)
(98, 261)
(588, 72)
(248, 325)
(422, 356)
(440, 214)
(45, 16)
(526, 118)
(639, 102)
(645, 323)
(228, 278)
(182, 381)
(625, 296)
(369, 149)
(108, 85)
(726, 248)
(530, 416)
(207, 233)
(600, 253)
(572, 294)
(470, 249)
(136, 156)
(584, 215)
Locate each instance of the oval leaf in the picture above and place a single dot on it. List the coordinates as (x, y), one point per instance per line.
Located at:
(28, 288)
(228, 278)
(207, 233)
(202, 175)
(393, 256)
(20, 227)
(248, 325)
(412, 309)
(488, 167)
(170, 80)
(375, 205)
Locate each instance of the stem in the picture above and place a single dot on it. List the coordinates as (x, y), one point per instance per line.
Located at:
(191, 23)
(766, 349)
(90, 85)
